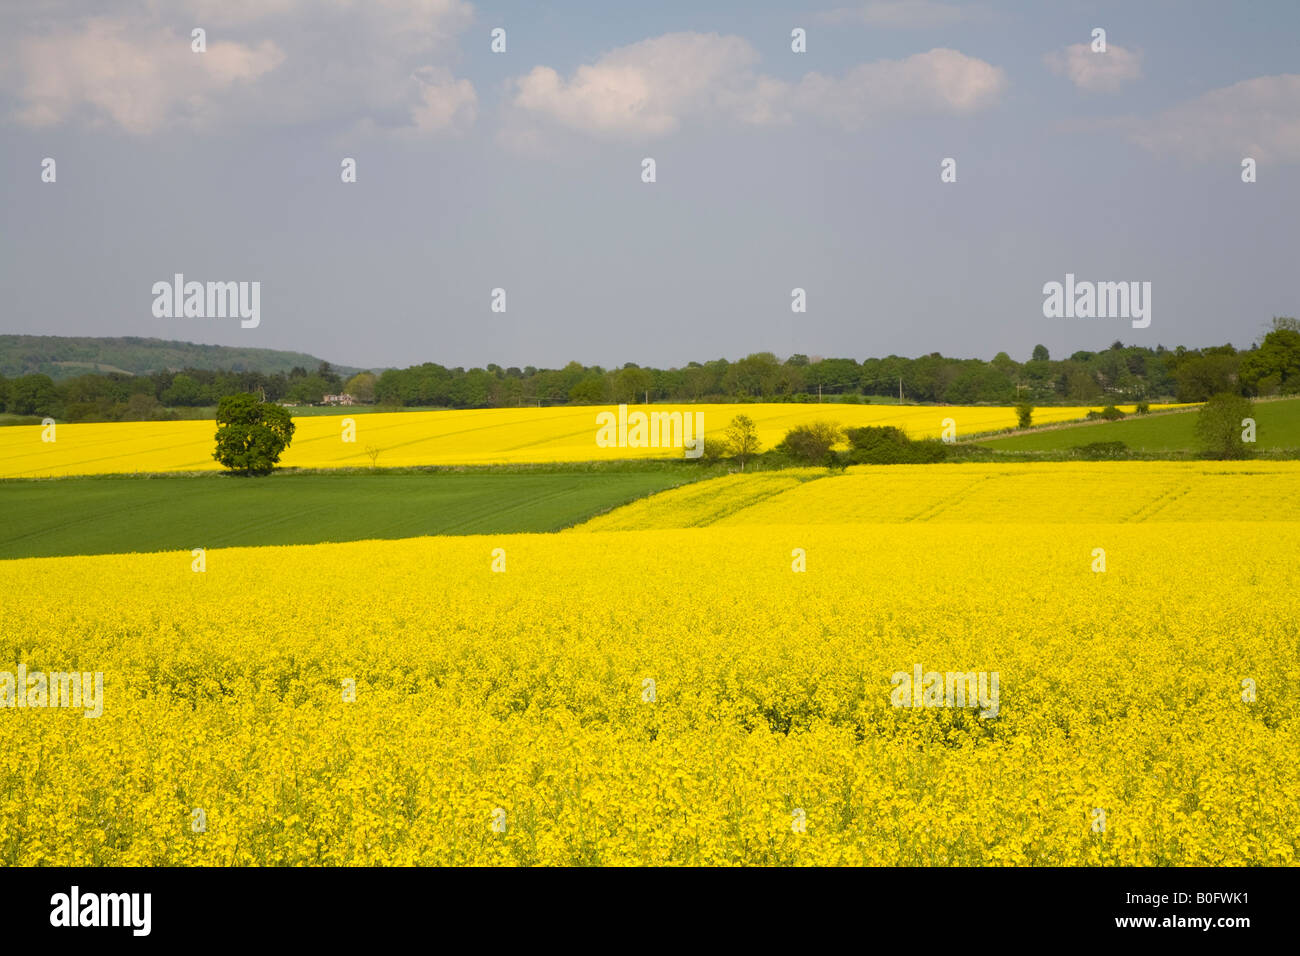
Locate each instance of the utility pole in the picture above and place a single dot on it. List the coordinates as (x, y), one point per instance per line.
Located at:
(900, 390)
(819, 393)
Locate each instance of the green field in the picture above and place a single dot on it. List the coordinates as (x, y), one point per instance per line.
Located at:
(1277, 426)
(105, 515)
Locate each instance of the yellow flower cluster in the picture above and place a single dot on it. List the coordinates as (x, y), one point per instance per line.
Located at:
(670, 696)
(465, 437)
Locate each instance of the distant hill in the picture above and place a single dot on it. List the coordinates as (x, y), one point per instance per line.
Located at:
(63, 357)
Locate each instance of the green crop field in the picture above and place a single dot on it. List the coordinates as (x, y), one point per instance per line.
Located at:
(1277, 426)
(105, 515)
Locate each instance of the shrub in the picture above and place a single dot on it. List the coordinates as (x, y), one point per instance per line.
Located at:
(1025, 414)
(887, 445)
(715, 449)
(1102, 449)
(812, 443)
(1219, 425)
(1143, 408)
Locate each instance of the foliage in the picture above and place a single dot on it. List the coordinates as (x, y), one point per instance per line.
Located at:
(1100, 450)
(742, 439)
(1219, 426)
(251, 434)
(811, 443)
(87, 385)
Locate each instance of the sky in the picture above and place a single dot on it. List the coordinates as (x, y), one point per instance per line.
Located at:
(774, 170)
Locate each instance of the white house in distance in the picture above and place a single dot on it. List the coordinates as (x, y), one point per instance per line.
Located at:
(343, 399)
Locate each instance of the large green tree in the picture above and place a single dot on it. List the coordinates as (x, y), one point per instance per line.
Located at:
(1275, 365)
(251, 434)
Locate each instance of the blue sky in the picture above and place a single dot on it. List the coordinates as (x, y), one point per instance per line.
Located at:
(522, 171)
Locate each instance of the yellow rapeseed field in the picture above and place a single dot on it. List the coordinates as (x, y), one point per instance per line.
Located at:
(683, 696)
(1008, 493)
(465, 437)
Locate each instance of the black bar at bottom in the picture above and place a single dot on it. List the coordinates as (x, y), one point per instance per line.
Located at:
(342, 906)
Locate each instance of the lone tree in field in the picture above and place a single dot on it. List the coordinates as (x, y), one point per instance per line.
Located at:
(742, 439)
(1025, 414)
(1219, 425)
(251, 434)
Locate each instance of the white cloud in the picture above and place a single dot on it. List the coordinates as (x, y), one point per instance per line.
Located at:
(1095, 72)
(650, 88)
(904, 14)
(380, 64)
(137, 79)
(940, 81)
(1258, 118)
(645, 89)
(444, 103)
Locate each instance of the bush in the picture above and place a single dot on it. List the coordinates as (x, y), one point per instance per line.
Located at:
(715, 449)
(812, 443)
(1219, 425)
(1110, 413)
(1102, 449)
(1143, 408)
(887, 445)
(1025, 414)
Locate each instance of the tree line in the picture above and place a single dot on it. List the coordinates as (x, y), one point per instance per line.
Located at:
(1119, 374)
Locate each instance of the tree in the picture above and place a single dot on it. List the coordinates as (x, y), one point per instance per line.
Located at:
(1041, 354)
(184, 390)
(630, 384)
(1081, 387)
(1025, 414)
(753, 375)
(812, 443)
(251, 434)
(33, 395)
(144, 408)
(1275, 365)
(1219, 425)
(592, 390)
(1210, 373)
(308, 390)
(362, 387)
(742, 439)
